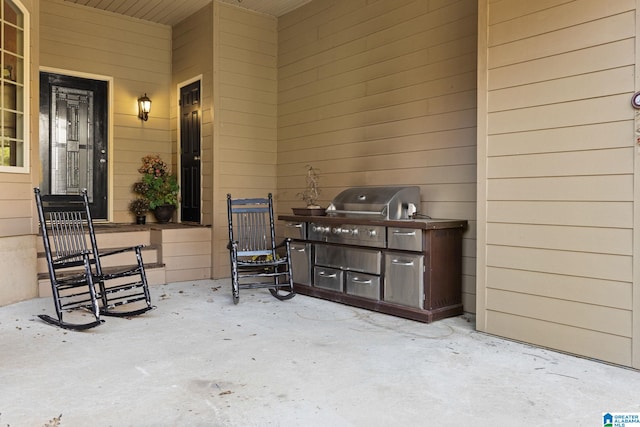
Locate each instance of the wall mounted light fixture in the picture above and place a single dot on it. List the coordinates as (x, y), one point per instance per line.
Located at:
(144, 107)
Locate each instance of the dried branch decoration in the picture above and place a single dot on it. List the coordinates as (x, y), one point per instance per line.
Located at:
(312, 192)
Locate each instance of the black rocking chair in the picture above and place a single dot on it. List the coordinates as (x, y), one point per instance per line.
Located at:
(254, 255)
(78, 279)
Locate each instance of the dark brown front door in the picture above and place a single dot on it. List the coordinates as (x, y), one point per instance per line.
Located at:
(190, 152)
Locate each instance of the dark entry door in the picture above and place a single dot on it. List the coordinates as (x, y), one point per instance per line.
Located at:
(190, 151)
(73, 132)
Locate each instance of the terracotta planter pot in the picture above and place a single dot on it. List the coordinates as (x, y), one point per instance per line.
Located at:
(164, 213)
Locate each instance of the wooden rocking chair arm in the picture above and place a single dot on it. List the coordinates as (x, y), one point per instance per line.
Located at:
(285, 242)
(63, 259)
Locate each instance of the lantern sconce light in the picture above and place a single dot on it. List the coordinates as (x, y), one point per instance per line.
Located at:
(144, 107)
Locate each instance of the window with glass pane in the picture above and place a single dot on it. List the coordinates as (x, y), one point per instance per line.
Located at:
(12, 142)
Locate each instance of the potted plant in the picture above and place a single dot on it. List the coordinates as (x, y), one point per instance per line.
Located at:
(158, 186)
(310, 194)
(139, 207)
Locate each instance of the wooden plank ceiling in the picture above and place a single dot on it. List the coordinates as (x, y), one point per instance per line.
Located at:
(170, 12)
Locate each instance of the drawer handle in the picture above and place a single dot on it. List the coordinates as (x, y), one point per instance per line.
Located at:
(362, 281)
(331, 276)
(404, 233)
(299, 250)
(403, 263)
(294, 225)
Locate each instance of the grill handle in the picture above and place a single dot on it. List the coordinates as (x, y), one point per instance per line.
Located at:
(396, 261)
(404, 233)
(323, 274)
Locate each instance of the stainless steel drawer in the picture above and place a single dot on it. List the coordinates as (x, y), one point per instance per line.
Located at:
(404, 279)
(301, 260)
(348, 258)
(295, 230)
(363, 285)
(405, 239)
(328, 278)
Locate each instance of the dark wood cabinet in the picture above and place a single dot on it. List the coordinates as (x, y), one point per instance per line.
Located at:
(417, 273)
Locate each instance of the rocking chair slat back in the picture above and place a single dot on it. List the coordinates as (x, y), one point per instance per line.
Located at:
(67, 233)
(251, 226)
(252, 232)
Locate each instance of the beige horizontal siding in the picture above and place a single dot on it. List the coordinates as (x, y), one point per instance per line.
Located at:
(587, 162)
(564, 213)
(401, 129)
(594, 265)
(575, 113)
(549, 16)
(17, 204)
(442, 140)
(596, 136)
(594, 58)
(136, 55)
(246, 117)
(18, 265)
(192, 58)
(587, 290)
(563, 39)
(591, 85)
(13, 226)
(559, 168)
(382, 93)
(614, 188)
(616, 241)
(599, 345)
(193, 53)
(585, 316)
(18, 225)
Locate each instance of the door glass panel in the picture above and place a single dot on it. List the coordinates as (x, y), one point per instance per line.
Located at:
(72, 141)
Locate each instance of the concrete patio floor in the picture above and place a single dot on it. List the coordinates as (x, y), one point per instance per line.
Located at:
(198, 360)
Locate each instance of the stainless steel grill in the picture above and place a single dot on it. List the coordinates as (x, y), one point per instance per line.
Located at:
(390, 203)
(352, 253)
(370, 207)
(372, 251)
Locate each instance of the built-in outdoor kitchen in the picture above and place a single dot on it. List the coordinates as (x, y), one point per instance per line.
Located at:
(371, 248)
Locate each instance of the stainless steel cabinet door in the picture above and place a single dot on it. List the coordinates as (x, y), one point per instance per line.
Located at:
(301, 260)
(404, 279)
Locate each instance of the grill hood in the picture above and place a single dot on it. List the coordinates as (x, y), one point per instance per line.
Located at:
(389, 203)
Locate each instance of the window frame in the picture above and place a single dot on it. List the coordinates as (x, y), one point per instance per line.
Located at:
(26, 78)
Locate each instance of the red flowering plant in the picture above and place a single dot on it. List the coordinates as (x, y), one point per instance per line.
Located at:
(158, 185)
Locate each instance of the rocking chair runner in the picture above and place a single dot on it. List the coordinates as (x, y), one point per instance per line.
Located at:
(254, 257)
(78, 279)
